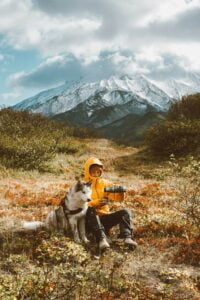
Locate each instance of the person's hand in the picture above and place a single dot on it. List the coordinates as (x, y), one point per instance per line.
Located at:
(103, 201)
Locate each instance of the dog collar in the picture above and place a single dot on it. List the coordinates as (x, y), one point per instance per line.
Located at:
(69, 212)
(76, 211)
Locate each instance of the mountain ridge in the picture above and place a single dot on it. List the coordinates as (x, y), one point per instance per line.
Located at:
(99, 104)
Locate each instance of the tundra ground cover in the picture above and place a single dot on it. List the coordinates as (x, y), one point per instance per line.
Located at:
(40, 265)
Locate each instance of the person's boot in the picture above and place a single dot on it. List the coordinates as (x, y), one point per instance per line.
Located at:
(129, 242)
(103, 244)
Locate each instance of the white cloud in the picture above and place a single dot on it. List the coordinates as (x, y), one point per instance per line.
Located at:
(85, 28)
(150, 55)
(52, 71)
(15, 77)
(98, 38)
(57, 69)
(190, 61)
(11, 98)
(25, 27)
(169, 10)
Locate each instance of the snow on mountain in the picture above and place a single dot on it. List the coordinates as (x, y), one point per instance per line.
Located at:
(177, 88)
(68, 96)
(44, 101)
(40, 98)
(194, 79)
(95, 112)
(110, 92)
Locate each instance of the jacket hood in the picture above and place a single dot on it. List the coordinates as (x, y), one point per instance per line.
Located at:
(91, 161)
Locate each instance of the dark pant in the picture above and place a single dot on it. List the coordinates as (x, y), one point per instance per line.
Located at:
(100, 225)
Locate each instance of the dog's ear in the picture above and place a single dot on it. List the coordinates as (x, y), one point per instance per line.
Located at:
(89, 183)
(77, 178)
(79, 186)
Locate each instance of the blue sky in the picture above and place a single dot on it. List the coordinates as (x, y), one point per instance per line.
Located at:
(44, 43)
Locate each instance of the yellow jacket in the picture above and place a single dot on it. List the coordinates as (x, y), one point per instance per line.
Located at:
(98, 185)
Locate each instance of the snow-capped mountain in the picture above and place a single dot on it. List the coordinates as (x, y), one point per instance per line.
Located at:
(101, 103)
(115, 90)
(176, 89)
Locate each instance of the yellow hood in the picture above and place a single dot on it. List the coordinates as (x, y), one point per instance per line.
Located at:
(98, 185)
(91, 161)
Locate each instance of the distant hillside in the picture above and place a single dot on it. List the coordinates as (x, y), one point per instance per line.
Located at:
(134, 127)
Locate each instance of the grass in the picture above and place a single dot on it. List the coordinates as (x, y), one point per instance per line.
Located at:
(51, 266)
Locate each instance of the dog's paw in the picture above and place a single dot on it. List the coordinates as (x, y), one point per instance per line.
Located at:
(77, 241)
(86, 241)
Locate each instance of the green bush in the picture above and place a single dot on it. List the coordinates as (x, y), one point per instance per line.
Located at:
(187, 108)
(69, 146)
(24, 152)
(28, 140)
(179, 134)
(57, 268)
(179, 138)
(84, 133)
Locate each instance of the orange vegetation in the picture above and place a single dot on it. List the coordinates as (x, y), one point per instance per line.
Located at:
(23, 194)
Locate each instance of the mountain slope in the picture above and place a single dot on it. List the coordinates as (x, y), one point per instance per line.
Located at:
(97, 112)
(134, 127)
(103, 103)
(68, 96)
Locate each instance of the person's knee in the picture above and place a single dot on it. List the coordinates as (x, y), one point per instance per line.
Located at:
(126, 212)
(90, 211)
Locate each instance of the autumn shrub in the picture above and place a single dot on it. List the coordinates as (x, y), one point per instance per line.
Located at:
(29, 140)
(187, 180)
(188, 252)
(174, 137)
(179, 134)
(83, 133)
(60, 269)
(187, 108)
(59, 249)
(70, 146)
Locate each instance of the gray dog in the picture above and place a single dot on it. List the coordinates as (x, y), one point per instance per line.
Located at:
(69, 214)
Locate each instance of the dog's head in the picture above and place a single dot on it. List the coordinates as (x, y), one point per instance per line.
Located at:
(83, 189)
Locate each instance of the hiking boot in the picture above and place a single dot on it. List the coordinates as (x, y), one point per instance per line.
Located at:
(129, 242)
(103, 244)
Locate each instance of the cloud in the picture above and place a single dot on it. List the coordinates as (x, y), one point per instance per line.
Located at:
(52, 71)
(96, 39)
(10, 98)
(116, 18)
(183, 28)
(57, 69)
(25, 27)
(169, 66)
(86, 28)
